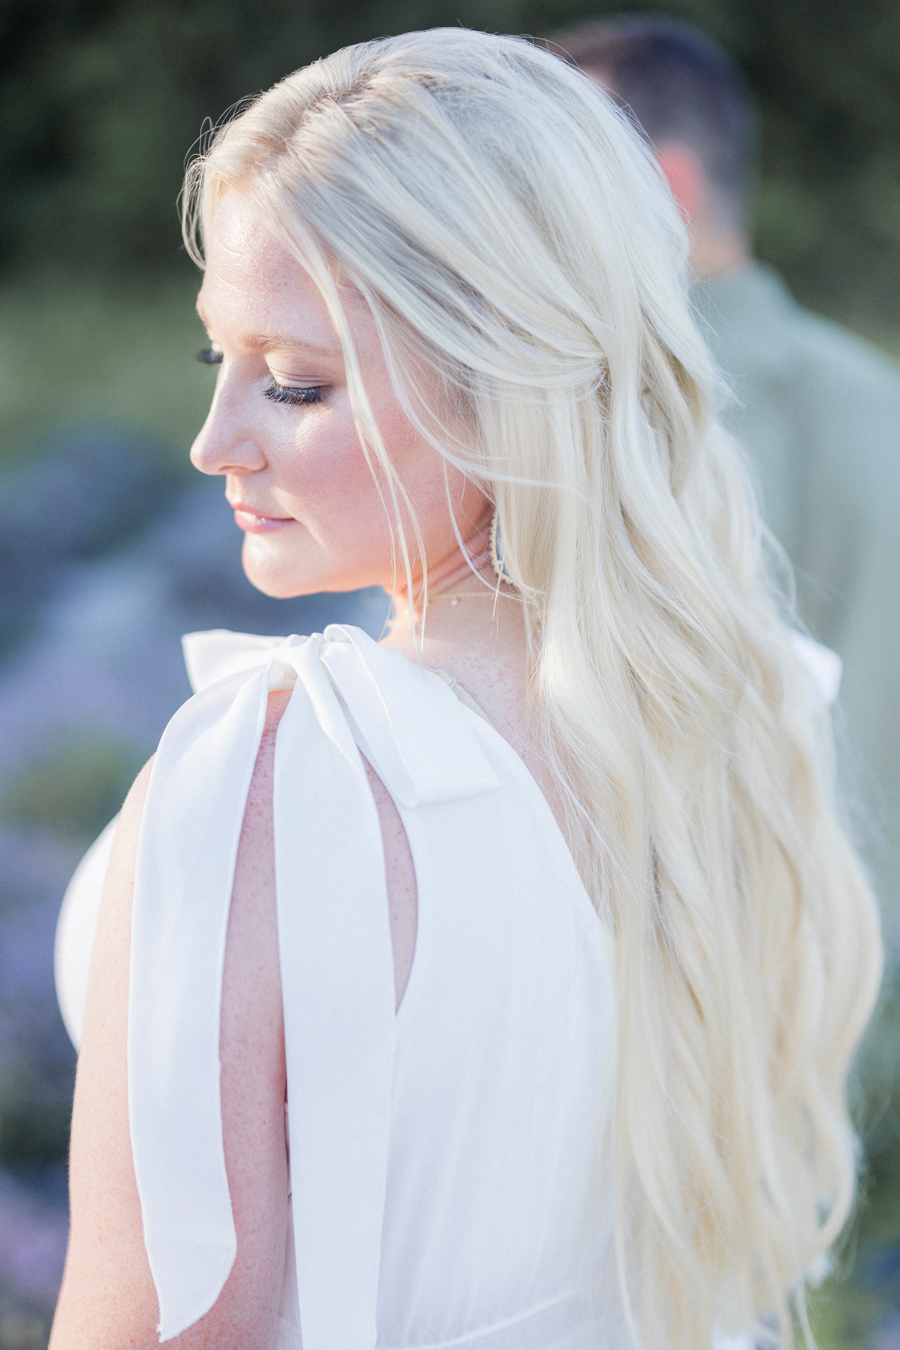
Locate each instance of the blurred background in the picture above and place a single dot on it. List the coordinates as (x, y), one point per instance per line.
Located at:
(109, 549)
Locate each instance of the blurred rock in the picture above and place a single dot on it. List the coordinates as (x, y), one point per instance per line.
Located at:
(80, 494)
(105, 657)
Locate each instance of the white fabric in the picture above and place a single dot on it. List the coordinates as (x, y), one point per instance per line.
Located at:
(446, 1162)
(75, 929)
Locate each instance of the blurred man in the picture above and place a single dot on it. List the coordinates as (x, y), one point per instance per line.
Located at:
(819, 409)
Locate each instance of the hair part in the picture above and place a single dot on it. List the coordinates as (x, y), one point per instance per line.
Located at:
(514, 240)
(679, 85)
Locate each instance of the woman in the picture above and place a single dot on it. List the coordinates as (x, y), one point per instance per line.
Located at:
(559, 955)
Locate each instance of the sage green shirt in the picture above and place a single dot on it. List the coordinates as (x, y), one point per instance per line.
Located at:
(820, 415)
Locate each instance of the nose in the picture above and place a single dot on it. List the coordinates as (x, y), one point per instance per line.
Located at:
(226, 443)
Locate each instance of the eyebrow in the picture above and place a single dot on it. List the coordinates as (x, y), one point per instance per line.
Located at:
(264, 341)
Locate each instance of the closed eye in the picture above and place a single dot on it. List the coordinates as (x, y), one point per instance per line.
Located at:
(295, 395)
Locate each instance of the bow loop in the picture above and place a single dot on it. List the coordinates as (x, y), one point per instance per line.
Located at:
(220, 654)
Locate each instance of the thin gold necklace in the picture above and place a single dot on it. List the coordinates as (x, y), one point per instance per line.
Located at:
(455, 596)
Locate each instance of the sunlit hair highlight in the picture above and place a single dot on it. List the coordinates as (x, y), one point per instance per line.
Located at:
(522, 257)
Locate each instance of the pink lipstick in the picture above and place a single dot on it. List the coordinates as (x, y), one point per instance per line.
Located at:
(257, 522)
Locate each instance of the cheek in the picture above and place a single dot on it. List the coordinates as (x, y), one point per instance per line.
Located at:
(317, 473)
(432, 484)
(415, 461)
(321, 477)
(328, 476)
(323, 466)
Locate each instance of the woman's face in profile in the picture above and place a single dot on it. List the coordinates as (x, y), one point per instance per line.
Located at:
(281, 428)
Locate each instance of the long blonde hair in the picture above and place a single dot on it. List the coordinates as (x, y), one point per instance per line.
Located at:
(520, 253)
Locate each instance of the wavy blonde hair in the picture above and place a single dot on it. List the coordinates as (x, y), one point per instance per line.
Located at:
(518, 249)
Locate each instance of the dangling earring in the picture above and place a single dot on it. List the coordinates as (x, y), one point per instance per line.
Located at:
(500, 567)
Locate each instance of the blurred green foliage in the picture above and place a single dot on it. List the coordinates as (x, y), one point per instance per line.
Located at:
(102, 99)
(76, 348)
(34, 1118)
(865, 1283)
(63, 799)
(76, 791)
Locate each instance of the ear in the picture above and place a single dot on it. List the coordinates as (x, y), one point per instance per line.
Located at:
(686, 178)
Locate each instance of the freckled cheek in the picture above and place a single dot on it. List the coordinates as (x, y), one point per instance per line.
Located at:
(417, 464)
(325, 465)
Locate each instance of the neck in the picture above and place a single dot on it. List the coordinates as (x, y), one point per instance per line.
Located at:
(464, 569)
(467, 610)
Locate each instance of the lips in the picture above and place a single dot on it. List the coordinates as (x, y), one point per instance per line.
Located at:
(258, 522)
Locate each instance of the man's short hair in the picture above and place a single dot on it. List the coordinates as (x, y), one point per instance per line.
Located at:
(679, 85)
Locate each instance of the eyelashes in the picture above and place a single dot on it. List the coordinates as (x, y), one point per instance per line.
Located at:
(295, 396)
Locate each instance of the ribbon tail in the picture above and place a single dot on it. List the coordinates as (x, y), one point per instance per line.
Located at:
(338, 992)
(188, 844)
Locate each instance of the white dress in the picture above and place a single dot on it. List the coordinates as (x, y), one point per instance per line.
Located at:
(449, 1162)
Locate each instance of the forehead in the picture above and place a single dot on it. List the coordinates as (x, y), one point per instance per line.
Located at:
(253, 283)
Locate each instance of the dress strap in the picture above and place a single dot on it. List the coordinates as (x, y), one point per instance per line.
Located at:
(334, 944)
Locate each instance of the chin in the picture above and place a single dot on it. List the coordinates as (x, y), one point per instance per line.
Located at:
(274, 575)
(280, 589)
(285, 578)
(282, 586)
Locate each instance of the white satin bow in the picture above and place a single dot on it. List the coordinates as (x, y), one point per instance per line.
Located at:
(348, 695)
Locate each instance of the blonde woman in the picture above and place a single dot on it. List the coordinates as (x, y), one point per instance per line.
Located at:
(538, 916)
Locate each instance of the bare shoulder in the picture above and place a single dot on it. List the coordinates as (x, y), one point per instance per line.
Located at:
(102, 1188)
(133, 806)
(120, 875)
